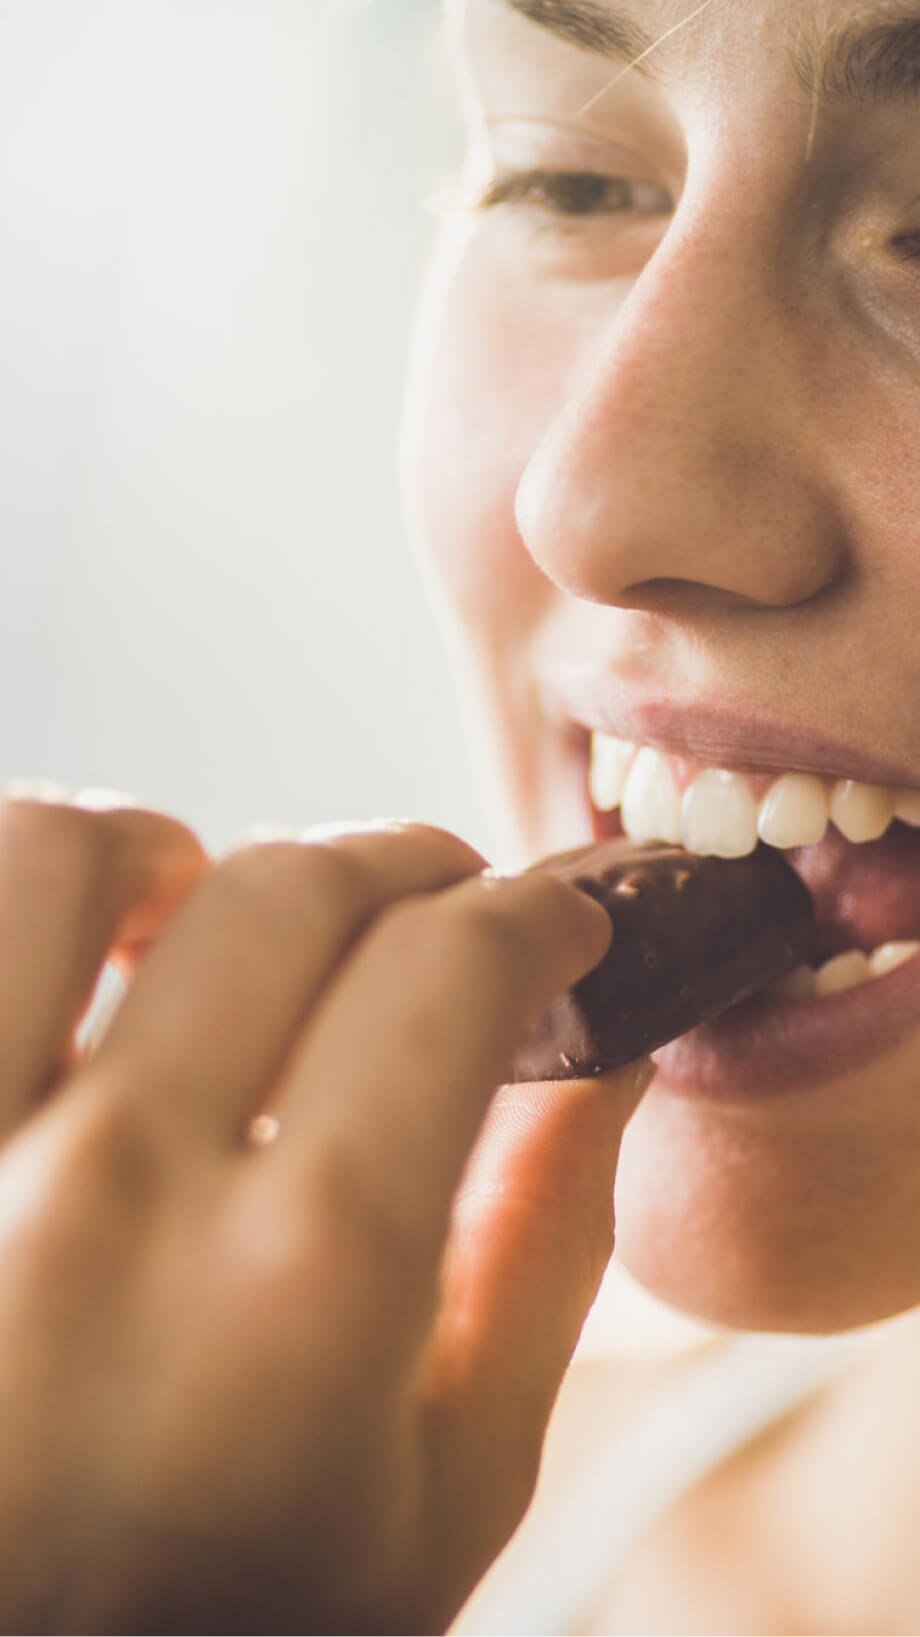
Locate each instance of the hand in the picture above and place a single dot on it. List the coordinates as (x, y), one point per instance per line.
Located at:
(301, 1386)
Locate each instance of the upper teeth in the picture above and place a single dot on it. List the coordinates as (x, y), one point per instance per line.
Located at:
(718, 814)
(651, 808)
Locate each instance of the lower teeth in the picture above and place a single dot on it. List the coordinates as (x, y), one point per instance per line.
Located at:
(843, 972)
(889, 956)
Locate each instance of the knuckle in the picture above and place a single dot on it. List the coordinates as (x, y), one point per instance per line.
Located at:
(90, 1173)
(111, 1148)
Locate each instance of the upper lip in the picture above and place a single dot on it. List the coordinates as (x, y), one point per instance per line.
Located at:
(600, 701)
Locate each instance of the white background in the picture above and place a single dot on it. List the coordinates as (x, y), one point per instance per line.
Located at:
(212, 238)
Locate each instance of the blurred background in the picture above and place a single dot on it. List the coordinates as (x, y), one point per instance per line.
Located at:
(213, 236)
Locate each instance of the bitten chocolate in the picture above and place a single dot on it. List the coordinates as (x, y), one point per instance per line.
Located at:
(691, 937)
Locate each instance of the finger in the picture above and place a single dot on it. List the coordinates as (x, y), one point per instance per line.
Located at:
(531, 1237)
(387, 1089)
(74, 884)
(218, 1003)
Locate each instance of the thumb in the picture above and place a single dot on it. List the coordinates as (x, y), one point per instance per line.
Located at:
(532, 1234)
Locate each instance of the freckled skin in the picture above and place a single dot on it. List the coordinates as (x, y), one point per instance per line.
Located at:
(686, 445)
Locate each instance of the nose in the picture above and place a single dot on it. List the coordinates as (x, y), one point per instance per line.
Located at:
(685, 463)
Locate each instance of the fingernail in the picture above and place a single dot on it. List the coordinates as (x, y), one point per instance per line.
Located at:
(97, 799)
(354, 827)
(44, 790)
(260, 835)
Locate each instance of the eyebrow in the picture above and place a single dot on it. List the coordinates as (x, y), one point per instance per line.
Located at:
(587, 23)
(874, 62)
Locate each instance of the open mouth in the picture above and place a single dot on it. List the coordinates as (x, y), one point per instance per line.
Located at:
(856, 847)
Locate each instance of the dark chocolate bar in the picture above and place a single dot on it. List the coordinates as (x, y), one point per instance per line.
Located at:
(691, 937)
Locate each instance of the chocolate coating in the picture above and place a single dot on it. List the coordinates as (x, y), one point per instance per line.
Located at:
(691, 937)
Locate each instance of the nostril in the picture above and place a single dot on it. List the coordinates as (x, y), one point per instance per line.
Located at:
(685, 599)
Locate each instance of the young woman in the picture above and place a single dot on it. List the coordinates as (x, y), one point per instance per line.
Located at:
(662, 457)
(287, 1289)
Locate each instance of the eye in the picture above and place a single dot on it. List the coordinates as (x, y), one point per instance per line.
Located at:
(574, 193)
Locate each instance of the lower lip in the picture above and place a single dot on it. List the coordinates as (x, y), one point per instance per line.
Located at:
(766, 1046)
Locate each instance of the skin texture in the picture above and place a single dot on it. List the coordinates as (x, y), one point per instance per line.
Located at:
(300, 1385)
(680, 443)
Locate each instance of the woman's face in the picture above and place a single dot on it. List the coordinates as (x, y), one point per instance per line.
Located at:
(663, 447)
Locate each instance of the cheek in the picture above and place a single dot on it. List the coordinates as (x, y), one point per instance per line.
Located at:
(868, 417)
(867, 404)
(870, 447)
(882, 501)
(482, 394)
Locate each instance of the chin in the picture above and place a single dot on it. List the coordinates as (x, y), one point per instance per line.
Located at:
(755, 1225)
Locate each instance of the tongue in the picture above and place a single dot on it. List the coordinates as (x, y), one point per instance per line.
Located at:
(864, 895)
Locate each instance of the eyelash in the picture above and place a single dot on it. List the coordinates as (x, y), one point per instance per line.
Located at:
(570, 194)
(574, 195)
(908, 246)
